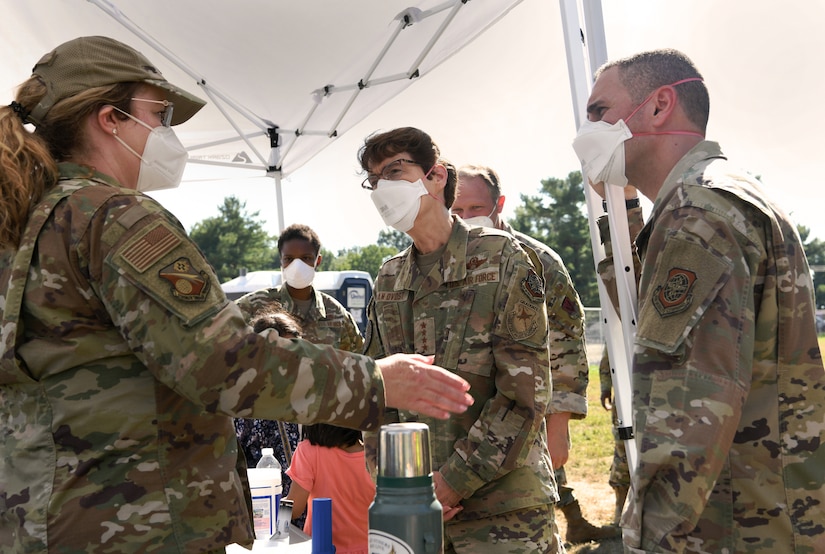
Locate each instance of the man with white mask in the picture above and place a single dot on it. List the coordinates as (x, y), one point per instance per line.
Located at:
(728, 383)
(479, 201)
(475, 299)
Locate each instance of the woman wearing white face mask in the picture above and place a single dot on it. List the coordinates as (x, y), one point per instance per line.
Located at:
(473, 298)
(122, 363)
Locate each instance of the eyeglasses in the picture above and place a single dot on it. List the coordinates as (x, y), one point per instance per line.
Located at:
(393, 171)
(166, 114)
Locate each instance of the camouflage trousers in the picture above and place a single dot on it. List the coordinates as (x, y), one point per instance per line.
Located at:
(529, 531)
(565, 493)
(619, 470)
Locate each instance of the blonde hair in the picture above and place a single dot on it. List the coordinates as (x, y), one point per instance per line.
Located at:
(28, 161)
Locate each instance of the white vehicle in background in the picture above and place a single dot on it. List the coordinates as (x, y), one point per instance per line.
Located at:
(353, 289)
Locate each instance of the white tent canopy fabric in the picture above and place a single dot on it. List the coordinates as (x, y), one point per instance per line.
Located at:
(283, 78)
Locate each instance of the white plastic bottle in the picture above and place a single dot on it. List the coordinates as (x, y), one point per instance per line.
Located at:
(266, 489)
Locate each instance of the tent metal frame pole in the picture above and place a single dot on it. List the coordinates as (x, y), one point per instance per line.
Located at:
(201, 81)
(218, 98)
(214, 94)
(619, 332)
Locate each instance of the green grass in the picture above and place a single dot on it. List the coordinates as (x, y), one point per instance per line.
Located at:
(592, 437)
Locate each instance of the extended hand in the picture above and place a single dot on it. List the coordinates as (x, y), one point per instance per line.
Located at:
(412, 383)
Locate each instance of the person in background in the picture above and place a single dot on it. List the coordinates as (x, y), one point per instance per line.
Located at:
(619, 479)
(256, 434)
(122, 363)
(330, 463)
(474, 298)
(323, 319)
(478, 201)
(727, 374)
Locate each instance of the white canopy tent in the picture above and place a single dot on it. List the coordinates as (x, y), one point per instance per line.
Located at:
(283, 79)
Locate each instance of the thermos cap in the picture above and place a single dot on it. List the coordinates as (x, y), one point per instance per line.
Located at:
(404, 450)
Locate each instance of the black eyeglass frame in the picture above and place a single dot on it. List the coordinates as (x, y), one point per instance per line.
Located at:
(371, 181)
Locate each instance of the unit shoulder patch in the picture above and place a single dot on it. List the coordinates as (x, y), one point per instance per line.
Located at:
(188, 283)
(675, 294)
(533, 285)
(522, 320)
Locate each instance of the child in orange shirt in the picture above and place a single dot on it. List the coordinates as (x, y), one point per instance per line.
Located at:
(329, 463)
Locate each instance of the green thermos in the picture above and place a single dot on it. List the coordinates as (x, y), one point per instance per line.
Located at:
(405, 517)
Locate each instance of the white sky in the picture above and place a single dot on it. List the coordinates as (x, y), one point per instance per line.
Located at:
(505, 101)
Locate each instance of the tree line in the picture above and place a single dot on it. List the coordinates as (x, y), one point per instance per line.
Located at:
(235, 239)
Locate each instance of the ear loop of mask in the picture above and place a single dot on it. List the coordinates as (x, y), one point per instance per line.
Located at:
(649, 97)
(427, 176)
(120, 140)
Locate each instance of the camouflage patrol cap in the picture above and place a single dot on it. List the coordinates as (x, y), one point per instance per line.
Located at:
(89, 62)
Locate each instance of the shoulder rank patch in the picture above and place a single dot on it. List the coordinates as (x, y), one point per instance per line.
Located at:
(522, 321)
(533, 285)
(675, 295)
(188, 283)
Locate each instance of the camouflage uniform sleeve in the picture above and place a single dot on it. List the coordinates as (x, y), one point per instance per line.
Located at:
(692, 367)
(251, 302)
(509, 431)
(605, 267)
(167, 304)
(568, 353)
(605, 379)
(351, 339)
(374, 349)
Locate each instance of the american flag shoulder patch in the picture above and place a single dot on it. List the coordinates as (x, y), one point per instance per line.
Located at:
(151, 245)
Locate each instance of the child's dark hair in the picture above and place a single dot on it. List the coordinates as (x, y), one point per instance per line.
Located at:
(275, 317)
(322, 434)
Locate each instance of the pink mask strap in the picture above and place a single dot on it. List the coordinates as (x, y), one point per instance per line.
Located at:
(426, 176)
(649, 96)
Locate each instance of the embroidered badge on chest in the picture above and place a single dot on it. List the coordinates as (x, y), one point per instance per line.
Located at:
(675, 295)
(533, 285)
(477, 261)
(188, 283)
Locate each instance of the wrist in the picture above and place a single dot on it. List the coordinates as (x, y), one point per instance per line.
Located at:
(629, 203)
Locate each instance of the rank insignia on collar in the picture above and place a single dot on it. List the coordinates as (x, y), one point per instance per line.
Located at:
(533, 285)
(188, 283)
(675, 295)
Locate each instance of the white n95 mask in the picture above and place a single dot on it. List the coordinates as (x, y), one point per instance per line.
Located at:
(298, 274)
(398, 202)
(600, 148)
(164, 158)
(482, 220)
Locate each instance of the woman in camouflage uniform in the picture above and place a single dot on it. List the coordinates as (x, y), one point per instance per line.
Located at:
(122, 363)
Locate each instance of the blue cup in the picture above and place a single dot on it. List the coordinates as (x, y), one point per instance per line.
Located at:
(322, 526)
